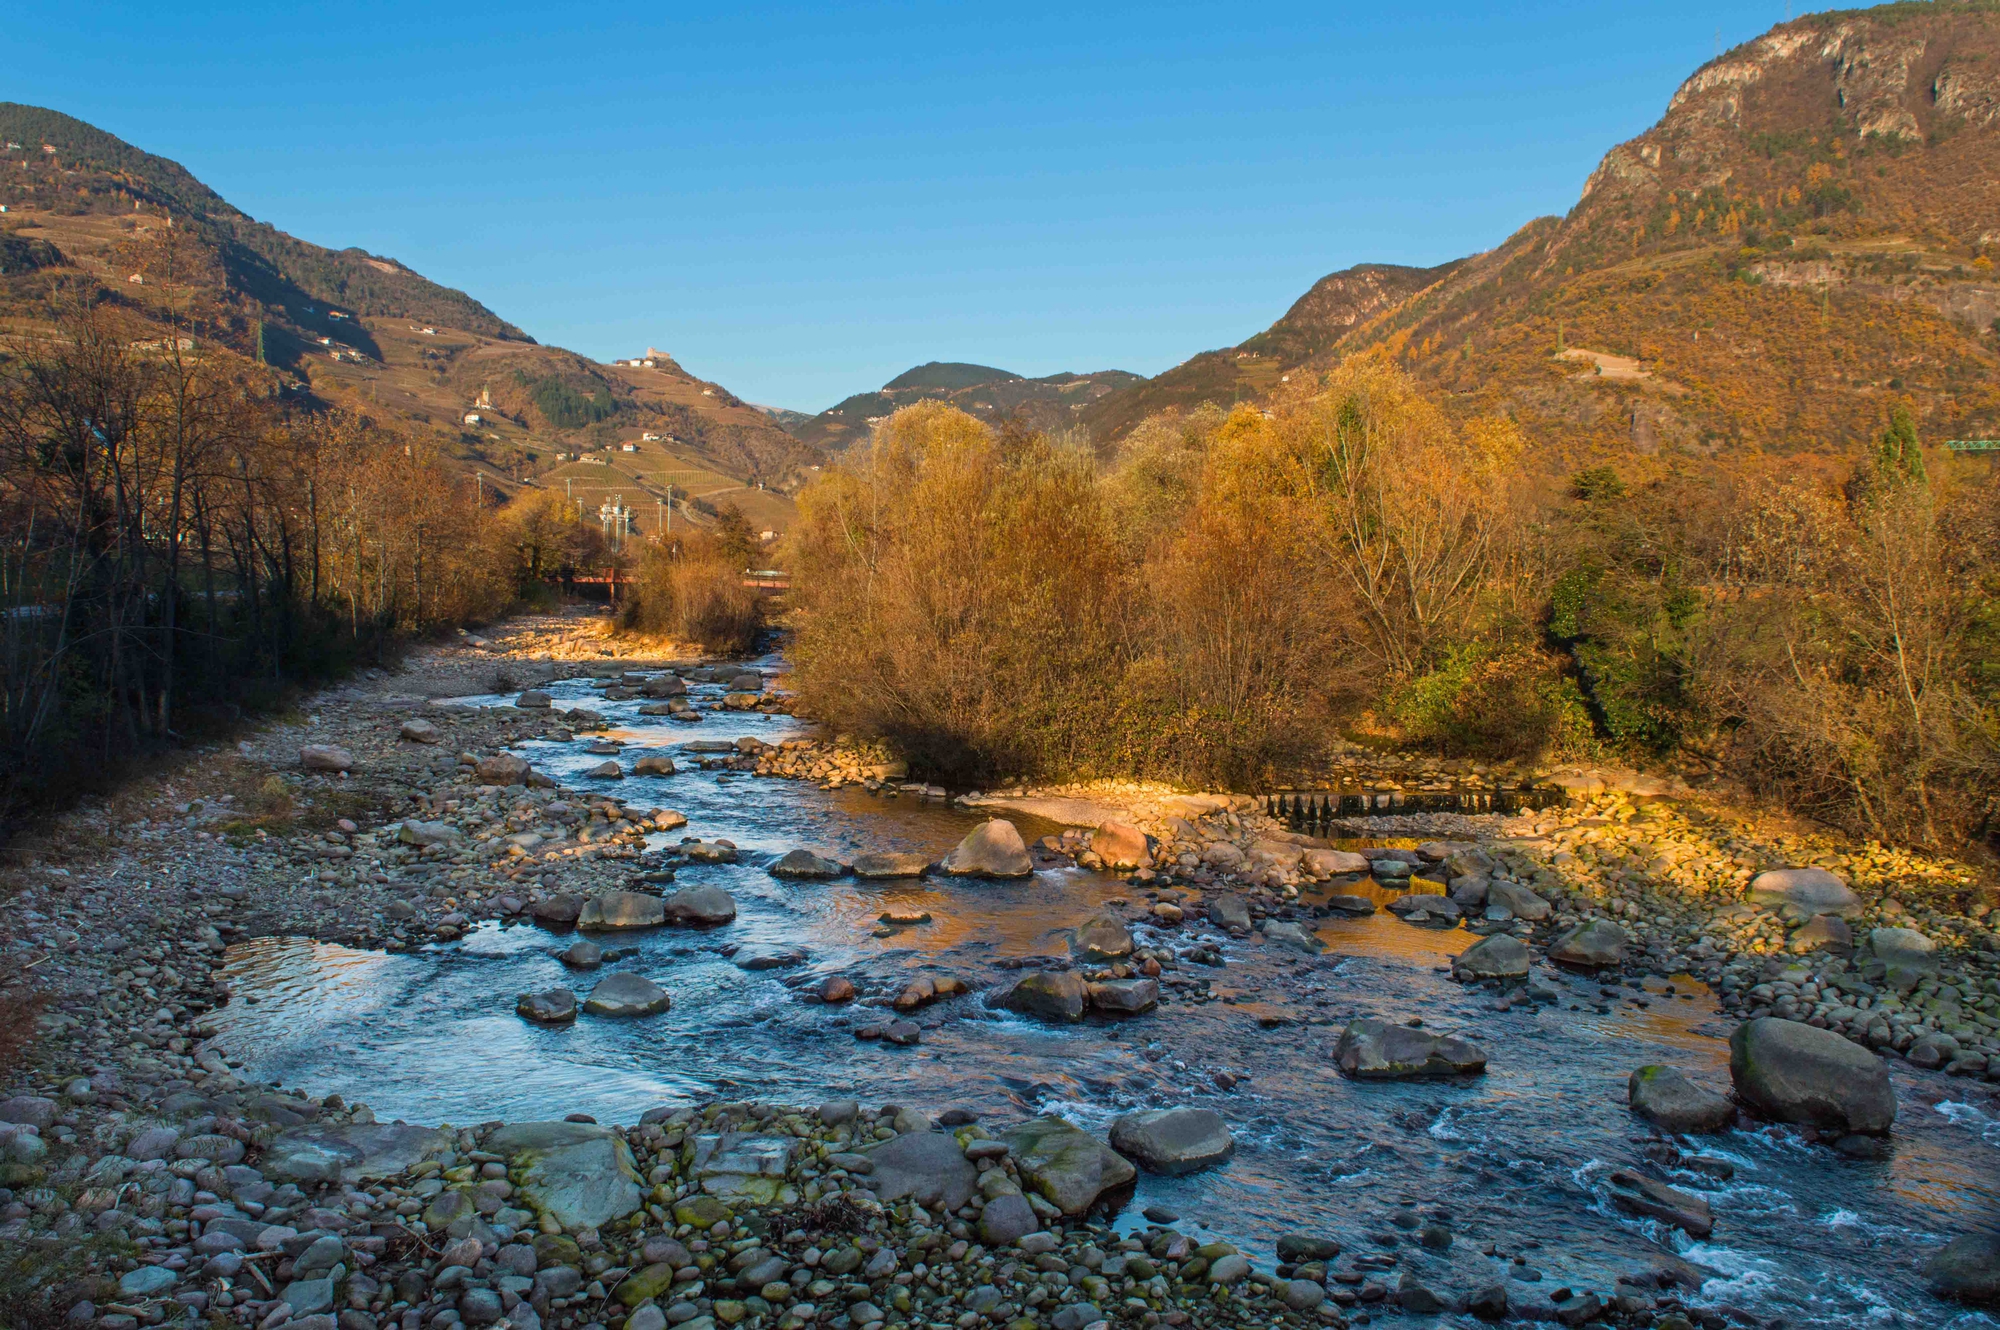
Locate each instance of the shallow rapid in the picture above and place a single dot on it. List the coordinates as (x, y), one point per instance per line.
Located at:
(1516, 1160)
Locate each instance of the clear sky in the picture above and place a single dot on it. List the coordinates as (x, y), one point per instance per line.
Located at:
(802, 202)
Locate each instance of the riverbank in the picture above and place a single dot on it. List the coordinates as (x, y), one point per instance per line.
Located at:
(143, 1131)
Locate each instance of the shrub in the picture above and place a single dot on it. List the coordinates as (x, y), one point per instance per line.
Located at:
(693, 594)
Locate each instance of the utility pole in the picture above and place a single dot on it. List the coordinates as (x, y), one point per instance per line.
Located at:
(478, 488)
(670, 510)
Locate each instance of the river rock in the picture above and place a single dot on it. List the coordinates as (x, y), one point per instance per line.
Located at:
(325, 757)
(1638, 1194)
(421, 732)
(1672, 1102)
(1373, 1049)
(928, 1166)
(1007, 1219)
(349, 1152)
(556, 911)
(1512, 896)
(621, 909)
(1333, 863)
(609, 770)
(992, 849)
(1102, 937)
(749, 681)
(502, 769)
(576, 1173)
(425, 834)
(1797, 1073)
(701, 907)
(583, 954)
(1173, 1140)
(1967, 1269)
(1899, 958)
(663, 685)
(1121, 845)
(1500, 956)
(836, 988)
(1067, 1167)
(555, 1006)
(1296, 936)
(1230, 912)
(805, 865)
(1353, 907)
(654, 764)
(1810, 890)
(709, 852)
(1123, 997)
(627, 994)
(1052, 995)
(146, 1282)
(1823, 932)
(891, 865)
(1592, 944)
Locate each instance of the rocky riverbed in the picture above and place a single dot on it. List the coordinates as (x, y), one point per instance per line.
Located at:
(1405, 1051)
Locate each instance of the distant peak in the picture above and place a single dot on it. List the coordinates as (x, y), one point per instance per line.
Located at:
(948, 375)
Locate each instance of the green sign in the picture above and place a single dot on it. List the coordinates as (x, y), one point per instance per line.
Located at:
(1973, 445)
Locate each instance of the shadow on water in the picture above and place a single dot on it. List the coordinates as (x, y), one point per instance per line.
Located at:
(1518, 1158)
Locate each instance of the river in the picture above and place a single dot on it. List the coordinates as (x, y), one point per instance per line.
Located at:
(1515, 1160)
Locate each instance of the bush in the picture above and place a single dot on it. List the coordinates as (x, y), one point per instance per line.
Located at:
(1503, 704)
(696, 595)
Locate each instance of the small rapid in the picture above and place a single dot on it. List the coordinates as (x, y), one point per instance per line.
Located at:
(1514, 1164)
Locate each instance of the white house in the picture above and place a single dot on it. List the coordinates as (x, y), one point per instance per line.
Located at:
(474, 418)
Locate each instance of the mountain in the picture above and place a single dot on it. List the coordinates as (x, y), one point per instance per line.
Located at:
(1804, 238)
(353, 329)
(1315, 323)
(1055, 402)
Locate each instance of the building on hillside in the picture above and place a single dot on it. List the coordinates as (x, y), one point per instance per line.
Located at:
(628, 447)
(474, 418)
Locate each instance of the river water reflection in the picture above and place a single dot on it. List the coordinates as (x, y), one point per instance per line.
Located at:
(1517, 1158)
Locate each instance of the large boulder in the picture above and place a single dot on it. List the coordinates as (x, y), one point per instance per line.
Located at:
(928, 1166)
(421, 732)
(1052, 995)
(534, 700)
(621, 909)
(325, 757)
(626, 994)
(1121, 845)
(1376, 1050)
(1809, 890)
(576, 1173)
(701, 907)
(356, 1152)
(1173, 1140)
(1297, 936)
(891, 865)
(502, 769)
(804, 865)
(1967, 1269)
(1899, 958)
(1591, 945)
(1816, 1078)
(1823, 932)
(1517, 899)
(1500, 956)
(1067, 1167)
(992, 849)
(1672, 1102)
(1231, 912)
(654, 764)
(1102, 937)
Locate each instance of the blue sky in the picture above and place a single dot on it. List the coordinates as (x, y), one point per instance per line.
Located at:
(803, 202)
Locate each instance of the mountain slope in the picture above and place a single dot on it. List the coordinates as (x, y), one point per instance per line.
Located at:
(1806, 236)
(1802, 239)
(1314, 323)
(344, 327)
(1054, 402)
